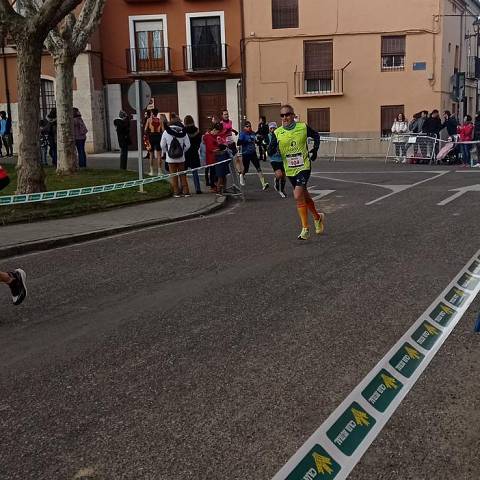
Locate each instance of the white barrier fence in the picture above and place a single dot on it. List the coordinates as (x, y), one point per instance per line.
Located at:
(233, 188)
(421, 148)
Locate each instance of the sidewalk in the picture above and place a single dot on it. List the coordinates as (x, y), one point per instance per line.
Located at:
(28, 237)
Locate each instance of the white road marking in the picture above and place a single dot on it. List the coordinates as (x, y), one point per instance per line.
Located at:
(329, 449)
(460, 191)
(319, 193)
(394, 188)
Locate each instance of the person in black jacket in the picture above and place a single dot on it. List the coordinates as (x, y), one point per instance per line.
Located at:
(122, 125)
(450, 123)
(262, 135)
(431, 128)
(192, 157)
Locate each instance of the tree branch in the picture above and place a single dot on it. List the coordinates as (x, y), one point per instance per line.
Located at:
(53, 11)
(9, 18)
(87, 22)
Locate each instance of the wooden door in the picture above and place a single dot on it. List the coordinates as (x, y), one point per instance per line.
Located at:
(212, 99)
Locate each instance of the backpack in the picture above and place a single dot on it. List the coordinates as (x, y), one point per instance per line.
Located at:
(175, 150)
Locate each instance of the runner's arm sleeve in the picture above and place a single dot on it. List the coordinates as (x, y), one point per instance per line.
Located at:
(273, 145)
(313, 134)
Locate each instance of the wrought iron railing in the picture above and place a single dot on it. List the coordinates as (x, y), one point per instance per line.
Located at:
(153, 59)
(205, 57)
(319, 82)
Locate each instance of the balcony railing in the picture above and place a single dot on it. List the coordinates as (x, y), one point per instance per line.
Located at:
(151, 60)
(473, 68)
(208, 57)
(320, 82)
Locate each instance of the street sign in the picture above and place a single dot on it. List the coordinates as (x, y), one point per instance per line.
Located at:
(145, 95)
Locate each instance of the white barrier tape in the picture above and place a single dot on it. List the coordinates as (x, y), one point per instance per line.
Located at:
(92, 190)
(337, 446)
(346, 139)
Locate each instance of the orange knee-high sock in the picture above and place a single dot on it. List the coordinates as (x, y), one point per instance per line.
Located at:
(303, 214)
(312, 208)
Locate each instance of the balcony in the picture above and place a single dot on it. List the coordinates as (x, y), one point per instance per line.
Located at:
(154, 60)
(205, 58)
(320, 83)
(473, 68)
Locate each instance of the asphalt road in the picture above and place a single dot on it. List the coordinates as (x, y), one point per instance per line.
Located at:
(213, 348)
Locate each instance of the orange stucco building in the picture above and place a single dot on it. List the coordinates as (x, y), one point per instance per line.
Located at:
(188, 51)
(350, 66)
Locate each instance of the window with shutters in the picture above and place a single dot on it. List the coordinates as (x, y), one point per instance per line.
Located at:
(388, 115)
(319, 119)
(318, 65)
(393, 53)
(284, 13)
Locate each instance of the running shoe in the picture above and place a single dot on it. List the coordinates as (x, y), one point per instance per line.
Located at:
(187, 195)
(242, 179)
(304, 234)
(176, 195)
(265, 186)
(320, 224)
(151, 174)
(282, 194)
(18, 286)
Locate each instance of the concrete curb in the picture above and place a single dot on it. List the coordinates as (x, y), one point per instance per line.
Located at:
(55, 242)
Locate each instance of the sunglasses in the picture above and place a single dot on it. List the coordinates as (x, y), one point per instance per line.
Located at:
(288, 114)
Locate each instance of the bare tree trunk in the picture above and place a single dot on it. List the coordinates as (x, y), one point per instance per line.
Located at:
(67, 160)
(31, 176)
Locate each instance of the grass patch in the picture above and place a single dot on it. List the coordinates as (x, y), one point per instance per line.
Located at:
(81, 205)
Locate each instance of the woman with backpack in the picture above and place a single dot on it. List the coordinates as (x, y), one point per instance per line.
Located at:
(154, 129)
(174, 144)
(15, 280)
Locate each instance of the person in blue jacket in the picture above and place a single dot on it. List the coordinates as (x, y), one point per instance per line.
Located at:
(248, 149)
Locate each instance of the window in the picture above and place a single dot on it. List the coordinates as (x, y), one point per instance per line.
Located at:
(206, 48)
(319, 119)
(206, 43)
(388, 115)
(393, 53)
(318, 63)
(47, 97)
(149, 39)
(148, 44)
(284, 13)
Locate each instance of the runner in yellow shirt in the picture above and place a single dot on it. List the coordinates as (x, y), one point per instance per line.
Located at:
(290, 140)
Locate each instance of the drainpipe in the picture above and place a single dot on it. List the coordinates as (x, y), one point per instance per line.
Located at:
(243, 67)
(7, 89)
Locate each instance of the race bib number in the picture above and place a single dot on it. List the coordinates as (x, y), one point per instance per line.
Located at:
(295, 160)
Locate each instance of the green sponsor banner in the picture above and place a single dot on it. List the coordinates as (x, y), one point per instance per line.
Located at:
(456, 297)
(119, 186)
(406, 360)
(317, 464)
(61, 194)
(348, 432)
(34, 197)
(6, 200)
(48, 196)
(442, 314)
(475, 267)
(468, 281)
(108, 188)
(19, 198)
(74, 193)
(98, 189)
(382, 390)
(426, 335)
